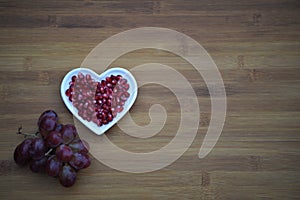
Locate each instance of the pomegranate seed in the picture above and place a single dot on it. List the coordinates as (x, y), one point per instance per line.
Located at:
(108, 79)
(74, 78)
(115, 90)
(103, 83)
(80, 75)
(109, 117)
(109, 85)
(123, 98)
(123, 81)
(105, 96)
(119, 77)
(68, 92)
(114, 113)
(119, 109)
(126, 94)
(88, 77)
(79, 97)
(102, 90)
(126, 86)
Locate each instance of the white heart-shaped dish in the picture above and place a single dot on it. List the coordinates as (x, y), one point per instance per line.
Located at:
(133, 90)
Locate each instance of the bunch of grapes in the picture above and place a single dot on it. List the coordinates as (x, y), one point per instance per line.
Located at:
(55, 149)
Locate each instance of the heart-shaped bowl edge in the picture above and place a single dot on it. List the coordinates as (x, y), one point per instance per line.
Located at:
(133, 90)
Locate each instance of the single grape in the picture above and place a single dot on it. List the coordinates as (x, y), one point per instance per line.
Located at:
(80, 161)
(68, 133)
(22, 152)
(67, 176)
(53, 166)
(53, 139)
(38, 165)
(79, 146)
(38, 148)
(47, 124)
(64, 153)
(47, 113)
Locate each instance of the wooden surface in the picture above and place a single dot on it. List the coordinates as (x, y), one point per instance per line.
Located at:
(255, 45)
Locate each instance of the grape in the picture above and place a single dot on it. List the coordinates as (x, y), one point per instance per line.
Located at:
(80, 161)
(53, 166)
(64, 153)
(79, 146)
(47, 113)
(38, 165)
(53, 139)
(67, 176)
(68, 133)
(22, 152)
(38, 148)
(47, 124)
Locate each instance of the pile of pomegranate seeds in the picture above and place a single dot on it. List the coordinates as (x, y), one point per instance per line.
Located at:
(96, 101)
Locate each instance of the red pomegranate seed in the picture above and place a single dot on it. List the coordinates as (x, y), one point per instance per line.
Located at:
(109, 85)
(108, 79)
(80, 75)
(123, 81)
(119, 109)
(70, 98)
(114, 81)
(88, 77)
(68, 92)
(119, 77)
(126, 86)
(73, 78)
(123, 98)
(126, 94)
(114, 113)
(109, 117)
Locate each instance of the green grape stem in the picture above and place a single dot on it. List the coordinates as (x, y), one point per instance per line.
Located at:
(26, 134)
(48, 152)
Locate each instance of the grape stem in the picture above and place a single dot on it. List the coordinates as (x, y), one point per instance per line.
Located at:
(48, 152)
(26, 134)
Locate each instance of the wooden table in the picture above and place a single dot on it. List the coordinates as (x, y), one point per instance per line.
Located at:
(255, 45)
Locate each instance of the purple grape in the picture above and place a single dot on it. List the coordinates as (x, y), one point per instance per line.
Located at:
(22, 152)
(47, 124)
(38, 148)
(38, 165)
(53, 166)
(79, 146)
(47, 113)
(68, 133)
(64, 153)
(80, 161)
(53, 139)
(67, 176)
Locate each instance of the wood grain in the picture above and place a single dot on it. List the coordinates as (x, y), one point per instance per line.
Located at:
(256, 46)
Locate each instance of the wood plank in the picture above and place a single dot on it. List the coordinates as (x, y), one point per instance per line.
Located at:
(255, 45)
